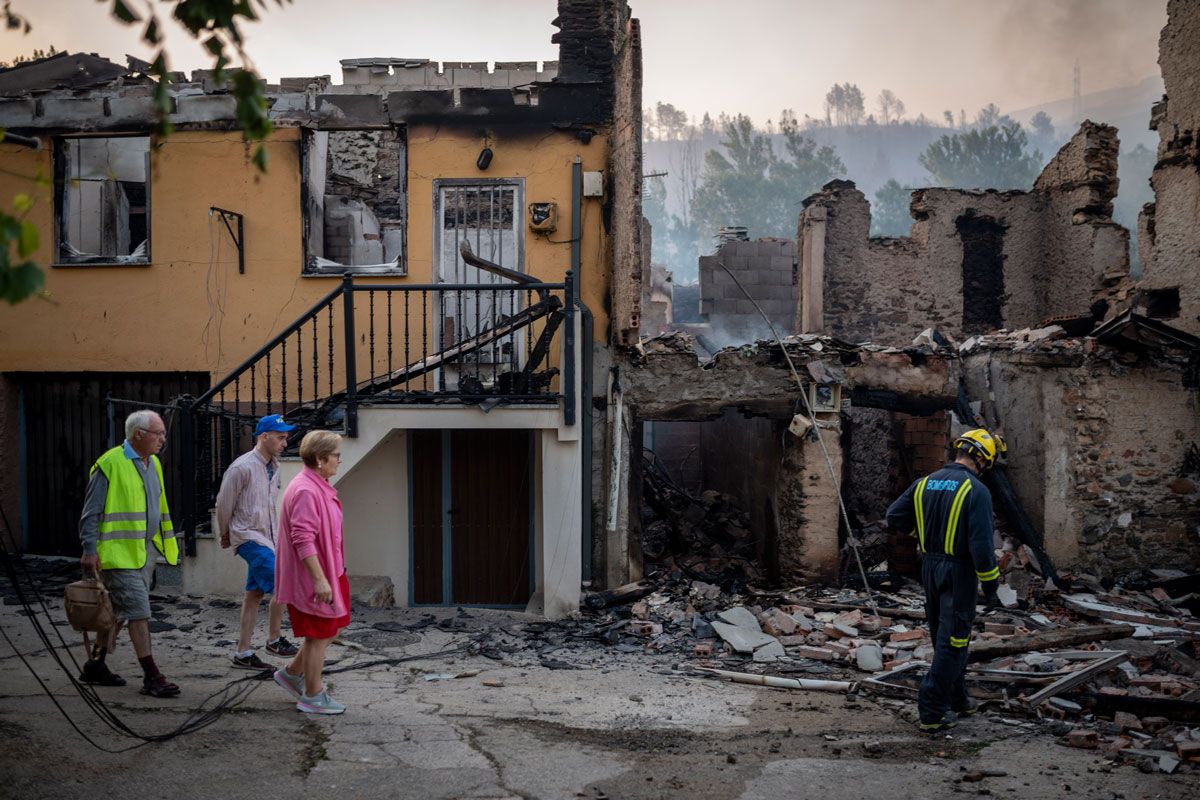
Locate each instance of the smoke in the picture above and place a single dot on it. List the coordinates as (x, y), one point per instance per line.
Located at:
(1114, 41)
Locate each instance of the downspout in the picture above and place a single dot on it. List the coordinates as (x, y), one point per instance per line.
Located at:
(585, 349)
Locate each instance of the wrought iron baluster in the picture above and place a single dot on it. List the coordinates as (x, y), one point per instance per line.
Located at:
(299, 368)
(406, 297)
(389, 331)
(425, 336)
(494, 347)
(528, 341)
(441, 338)
(283, 377)
(253, 391)
(371, 330)
(316, 381)
(330, 309)
(267, 378)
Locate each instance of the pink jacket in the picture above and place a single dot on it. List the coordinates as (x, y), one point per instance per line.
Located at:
(310, 523)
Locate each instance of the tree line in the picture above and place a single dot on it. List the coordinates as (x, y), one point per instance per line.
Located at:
(757, 176)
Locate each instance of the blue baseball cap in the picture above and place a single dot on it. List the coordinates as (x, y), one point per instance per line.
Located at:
(272, 422)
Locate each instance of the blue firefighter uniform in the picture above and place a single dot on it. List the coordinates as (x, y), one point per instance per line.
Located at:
(951, 512)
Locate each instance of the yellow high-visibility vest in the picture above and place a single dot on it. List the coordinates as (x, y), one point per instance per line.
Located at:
(122, 542)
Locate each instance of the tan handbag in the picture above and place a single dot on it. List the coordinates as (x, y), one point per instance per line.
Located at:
(89, 609)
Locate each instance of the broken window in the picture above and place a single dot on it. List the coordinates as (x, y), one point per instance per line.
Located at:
(102, 199)
(489, 215)
(354, 201)
(983, 272)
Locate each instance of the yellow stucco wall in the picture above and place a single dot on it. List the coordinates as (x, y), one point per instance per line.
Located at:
(191, 310)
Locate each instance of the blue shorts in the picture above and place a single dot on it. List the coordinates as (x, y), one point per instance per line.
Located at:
(260, 560)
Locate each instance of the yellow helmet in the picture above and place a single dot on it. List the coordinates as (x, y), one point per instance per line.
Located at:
(982, 445)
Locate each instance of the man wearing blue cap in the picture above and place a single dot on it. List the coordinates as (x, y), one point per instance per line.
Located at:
(247, 515)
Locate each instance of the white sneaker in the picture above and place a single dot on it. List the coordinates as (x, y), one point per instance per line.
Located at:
(292, 684)
(321, 703)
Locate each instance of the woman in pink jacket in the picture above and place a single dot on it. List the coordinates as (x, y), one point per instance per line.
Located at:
(310, 570)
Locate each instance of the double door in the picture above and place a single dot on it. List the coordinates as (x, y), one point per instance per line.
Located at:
(472, 517)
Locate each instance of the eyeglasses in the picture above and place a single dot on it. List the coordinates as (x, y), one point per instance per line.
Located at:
(160, 434)
(338, 456)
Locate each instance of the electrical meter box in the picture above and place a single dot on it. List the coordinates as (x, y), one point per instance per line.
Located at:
(593, 184)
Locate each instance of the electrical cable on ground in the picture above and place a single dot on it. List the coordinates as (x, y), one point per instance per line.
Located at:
(226, 698)
(837, 487)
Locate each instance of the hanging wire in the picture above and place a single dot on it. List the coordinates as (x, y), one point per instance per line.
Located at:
(837, 487)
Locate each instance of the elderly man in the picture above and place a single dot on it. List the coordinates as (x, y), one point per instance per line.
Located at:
(124, 526)
(247, 509)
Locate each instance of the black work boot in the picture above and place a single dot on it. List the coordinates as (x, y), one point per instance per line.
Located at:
(948, 721)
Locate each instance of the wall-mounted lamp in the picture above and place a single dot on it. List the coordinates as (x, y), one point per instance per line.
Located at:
(485, 158)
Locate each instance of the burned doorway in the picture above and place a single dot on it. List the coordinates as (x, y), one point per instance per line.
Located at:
(886, 451)
(471, 496)
(707, 497)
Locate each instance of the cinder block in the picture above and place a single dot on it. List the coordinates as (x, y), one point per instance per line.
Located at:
(355, 75)
(205, 108)
(17, 113)
(130, 109)
(71, 110)
(466, 78)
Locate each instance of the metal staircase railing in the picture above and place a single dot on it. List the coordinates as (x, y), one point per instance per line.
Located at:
(378, 344)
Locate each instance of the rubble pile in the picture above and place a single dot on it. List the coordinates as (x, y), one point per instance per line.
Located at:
(1114, 669)
(706, 538)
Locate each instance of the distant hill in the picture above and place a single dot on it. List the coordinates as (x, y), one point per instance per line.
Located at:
(1126, 107)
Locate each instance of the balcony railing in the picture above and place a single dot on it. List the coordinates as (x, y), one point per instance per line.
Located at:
(375, 344)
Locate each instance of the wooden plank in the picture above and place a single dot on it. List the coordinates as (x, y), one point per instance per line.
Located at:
(1047, 640)
(1108, 660)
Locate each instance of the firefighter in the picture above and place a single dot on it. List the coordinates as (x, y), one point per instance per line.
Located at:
(951, 513)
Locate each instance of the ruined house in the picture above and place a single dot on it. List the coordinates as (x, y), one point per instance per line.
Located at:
(438, 261)
(1089, 372)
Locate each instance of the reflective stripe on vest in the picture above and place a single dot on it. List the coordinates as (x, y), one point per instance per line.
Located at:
(955, 509)
(122, 543)
(919, 502)
(991, 575)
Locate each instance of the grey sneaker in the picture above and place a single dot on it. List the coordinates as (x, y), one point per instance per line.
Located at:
(321, 703)
(292, 684)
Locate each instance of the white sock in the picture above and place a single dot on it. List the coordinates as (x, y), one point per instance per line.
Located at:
(245, 653)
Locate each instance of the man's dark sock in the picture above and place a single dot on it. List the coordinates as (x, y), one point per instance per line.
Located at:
(149, 668)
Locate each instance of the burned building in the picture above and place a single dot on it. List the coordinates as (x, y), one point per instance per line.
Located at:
(1020, 304)
(974, 261)
(412, 269)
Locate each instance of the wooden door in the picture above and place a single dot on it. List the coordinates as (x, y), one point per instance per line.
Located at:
(472, 496)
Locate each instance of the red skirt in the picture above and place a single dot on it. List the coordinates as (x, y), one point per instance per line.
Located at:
(310, 626)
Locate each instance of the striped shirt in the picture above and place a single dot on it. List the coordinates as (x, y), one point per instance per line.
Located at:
(248, 502)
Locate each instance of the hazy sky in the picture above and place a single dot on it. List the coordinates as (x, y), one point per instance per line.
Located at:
(753, 56)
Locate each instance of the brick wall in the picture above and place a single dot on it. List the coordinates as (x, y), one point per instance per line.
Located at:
(925, 441)
(766, 268)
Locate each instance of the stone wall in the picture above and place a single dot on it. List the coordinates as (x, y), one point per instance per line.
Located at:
(766, 269)
(1169, 228)
(1056, 247)
(1099, 455)
(625, 169)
